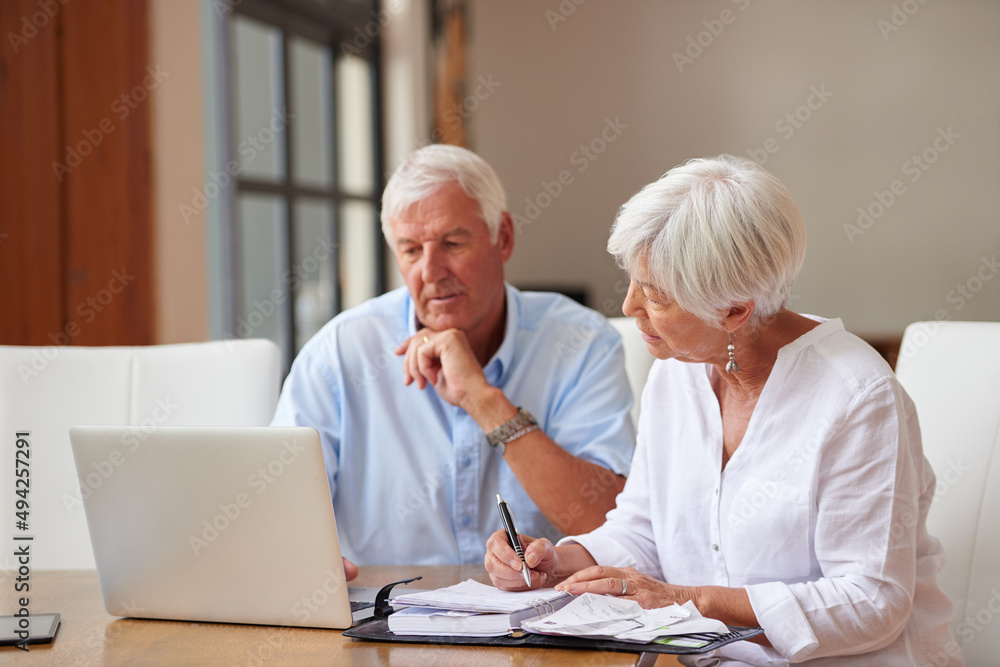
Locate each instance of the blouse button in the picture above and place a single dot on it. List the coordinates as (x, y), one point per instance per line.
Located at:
(715, 547)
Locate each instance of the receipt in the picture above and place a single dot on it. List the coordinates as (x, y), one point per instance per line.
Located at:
(605, 617)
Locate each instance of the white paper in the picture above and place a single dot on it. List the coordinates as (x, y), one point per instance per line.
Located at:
(476, 597)
(604, 617)
(430, 621)
(590, 615)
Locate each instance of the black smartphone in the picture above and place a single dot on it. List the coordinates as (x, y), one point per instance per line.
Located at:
(41, 629)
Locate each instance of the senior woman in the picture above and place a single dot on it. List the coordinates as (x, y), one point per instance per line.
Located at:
(779, 479)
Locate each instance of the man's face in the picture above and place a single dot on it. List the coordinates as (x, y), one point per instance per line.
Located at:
(453, 271)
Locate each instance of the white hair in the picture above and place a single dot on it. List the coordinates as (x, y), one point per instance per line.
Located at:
(428, 169)
(713, 233)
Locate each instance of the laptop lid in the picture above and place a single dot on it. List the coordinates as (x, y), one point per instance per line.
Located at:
(223, 524)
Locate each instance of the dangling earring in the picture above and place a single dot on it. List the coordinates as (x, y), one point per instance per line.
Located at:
(732, 366)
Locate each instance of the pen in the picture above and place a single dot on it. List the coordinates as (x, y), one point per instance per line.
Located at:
(512, 537)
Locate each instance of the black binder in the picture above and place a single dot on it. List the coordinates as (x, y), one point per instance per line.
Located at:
(377, 629)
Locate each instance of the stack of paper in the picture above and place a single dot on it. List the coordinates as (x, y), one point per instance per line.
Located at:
(471, 609)
(603, 617)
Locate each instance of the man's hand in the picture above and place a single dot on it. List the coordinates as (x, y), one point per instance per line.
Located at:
(445, 359)
(350, 569)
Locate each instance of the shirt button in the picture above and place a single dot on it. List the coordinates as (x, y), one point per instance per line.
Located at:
(716, 492)
(466, 461)
(715, 547)
(465, 521)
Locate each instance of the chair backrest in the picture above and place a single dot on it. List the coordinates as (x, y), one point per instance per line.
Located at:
(45, 390)
(951, 370)
(638, 360)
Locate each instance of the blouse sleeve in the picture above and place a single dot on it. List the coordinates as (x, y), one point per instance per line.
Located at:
(626, 538)
(872, 497)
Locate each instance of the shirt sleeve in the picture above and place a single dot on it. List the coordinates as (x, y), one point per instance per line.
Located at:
(626, 538)
(869, 512)
(310, 397)
(591, 417)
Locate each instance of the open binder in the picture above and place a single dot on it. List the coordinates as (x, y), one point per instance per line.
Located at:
(472, 609)
(377, 629)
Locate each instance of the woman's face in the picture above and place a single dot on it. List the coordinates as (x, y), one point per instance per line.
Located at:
(670, 331)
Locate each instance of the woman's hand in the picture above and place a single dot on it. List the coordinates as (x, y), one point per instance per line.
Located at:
(628, 583)
(504, 565)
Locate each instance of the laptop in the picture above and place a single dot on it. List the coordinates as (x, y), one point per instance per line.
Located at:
(219, 524)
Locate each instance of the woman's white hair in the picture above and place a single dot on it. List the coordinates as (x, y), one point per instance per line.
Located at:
(713, 233)
(431, 167)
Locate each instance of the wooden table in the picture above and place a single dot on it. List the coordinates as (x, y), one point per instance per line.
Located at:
(89, 636)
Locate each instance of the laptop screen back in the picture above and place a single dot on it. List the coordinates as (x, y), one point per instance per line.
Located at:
(224, 524)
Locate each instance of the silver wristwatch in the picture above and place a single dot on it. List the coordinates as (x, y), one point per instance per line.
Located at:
(520, 424)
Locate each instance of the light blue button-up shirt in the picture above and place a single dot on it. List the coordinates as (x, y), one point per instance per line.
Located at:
(412, 477)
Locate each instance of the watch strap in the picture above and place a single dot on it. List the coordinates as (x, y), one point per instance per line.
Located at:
(520, 424)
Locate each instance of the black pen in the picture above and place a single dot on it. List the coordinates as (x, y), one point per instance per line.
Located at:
(512, 537)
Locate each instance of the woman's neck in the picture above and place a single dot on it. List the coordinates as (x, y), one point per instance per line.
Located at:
(756, 351)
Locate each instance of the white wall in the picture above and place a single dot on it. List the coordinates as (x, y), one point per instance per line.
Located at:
(890, 95)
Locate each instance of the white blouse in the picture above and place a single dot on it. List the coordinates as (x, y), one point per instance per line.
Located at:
(819, 514)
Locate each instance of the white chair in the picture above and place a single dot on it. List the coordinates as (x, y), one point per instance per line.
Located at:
(46, 390)
(951, 370)
(638, 360)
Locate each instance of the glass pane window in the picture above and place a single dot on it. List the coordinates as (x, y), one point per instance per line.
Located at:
(259, 105)
(312, 101)
(355, 122)
(303, 232)
(358, 241)
(263, 297)
(313, 265)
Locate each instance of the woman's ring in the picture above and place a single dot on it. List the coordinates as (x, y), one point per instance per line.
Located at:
(624, 587)
(426, 339)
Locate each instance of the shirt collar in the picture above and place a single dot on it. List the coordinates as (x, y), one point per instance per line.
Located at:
(826, 328)
(411, 315)
(503, 358)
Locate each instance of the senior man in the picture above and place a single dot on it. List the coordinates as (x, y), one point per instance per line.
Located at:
(433, 398)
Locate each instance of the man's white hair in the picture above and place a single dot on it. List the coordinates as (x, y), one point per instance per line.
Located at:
(428, 169)
(713, 233)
